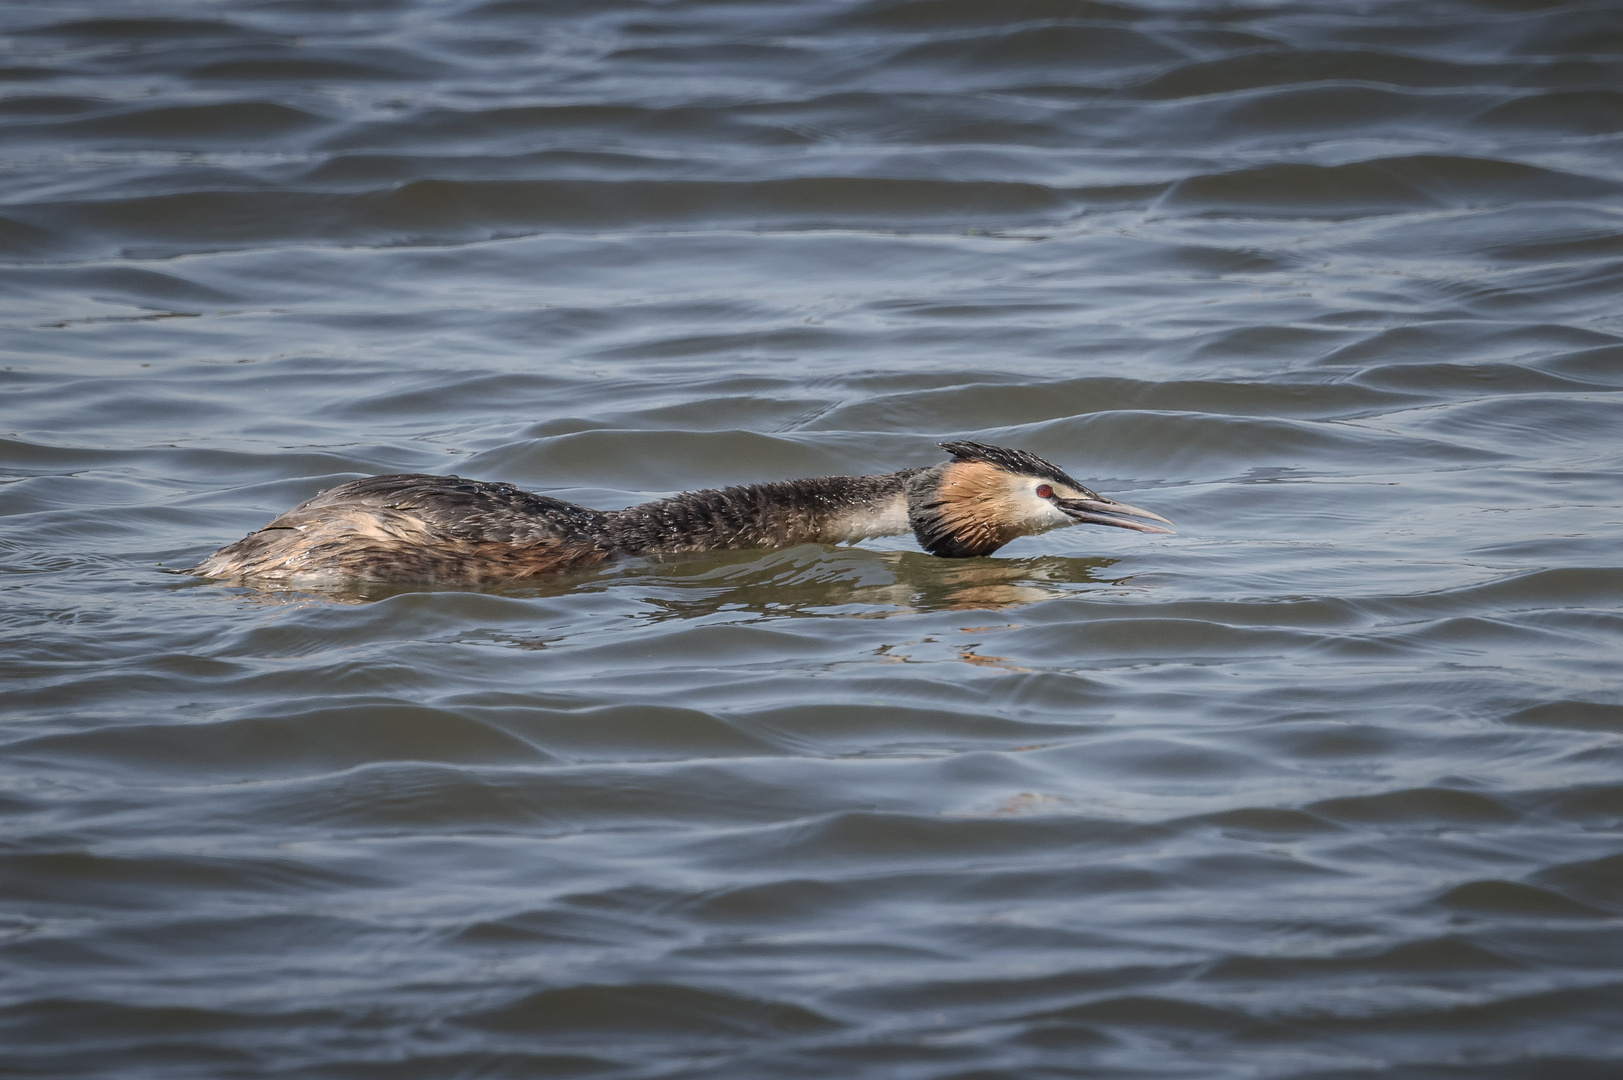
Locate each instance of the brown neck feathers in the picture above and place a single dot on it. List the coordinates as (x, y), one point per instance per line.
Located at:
(821, 510)
(964, 513)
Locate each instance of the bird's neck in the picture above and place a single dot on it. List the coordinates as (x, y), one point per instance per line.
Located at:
(822, 510)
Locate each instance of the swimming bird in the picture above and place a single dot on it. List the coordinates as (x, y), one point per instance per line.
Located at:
(411, 527)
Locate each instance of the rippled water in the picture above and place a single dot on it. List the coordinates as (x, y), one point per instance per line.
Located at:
(1327, 784)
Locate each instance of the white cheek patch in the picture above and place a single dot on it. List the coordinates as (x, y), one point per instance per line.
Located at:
(1040, 514)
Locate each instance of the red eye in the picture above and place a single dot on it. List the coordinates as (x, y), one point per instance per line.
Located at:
(1044, 491)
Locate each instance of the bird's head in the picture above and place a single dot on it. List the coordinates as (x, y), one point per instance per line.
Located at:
(988, 495)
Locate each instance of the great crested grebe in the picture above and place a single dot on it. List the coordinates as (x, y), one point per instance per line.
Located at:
(411, 527)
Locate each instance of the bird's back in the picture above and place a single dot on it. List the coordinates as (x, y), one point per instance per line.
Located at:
(414, 526)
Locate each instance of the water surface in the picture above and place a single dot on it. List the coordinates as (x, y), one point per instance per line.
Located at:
(1325, 785)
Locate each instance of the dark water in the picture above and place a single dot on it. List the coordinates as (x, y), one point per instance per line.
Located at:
(1326, 785)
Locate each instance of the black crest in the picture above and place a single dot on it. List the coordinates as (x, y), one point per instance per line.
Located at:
(1019, 462)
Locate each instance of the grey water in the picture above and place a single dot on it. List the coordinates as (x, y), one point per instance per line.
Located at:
(1327, 784)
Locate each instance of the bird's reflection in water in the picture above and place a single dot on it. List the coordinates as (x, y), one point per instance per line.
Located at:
(994, 585)
(855, 583)
(802, 581)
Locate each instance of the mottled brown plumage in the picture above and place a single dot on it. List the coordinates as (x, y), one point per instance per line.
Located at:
(416, 527)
